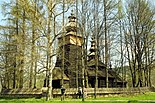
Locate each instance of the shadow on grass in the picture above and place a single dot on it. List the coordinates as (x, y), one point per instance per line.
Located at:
(133, 101)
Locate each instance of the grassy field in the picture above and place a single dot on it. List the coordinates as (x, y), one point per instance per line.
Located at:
(146, 96)
(141, 98)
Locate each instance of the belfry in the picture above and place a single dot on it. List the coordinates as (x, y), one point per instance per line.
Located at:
(69, 43)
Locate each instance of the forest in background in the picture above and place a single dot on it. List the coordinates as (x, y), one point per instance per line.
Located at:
(124, 32)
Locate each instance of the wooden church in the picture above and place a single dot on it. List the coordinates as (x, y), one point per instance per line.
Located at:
(71, 75)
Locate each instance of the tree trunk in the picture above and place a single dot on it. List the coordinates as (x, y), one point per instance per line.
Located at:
(63, 45)
(49, 52)
(106, 42)
(49, 90)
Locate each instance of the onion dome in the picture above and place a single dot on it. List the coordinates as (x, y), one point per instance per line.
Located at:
(71, 25)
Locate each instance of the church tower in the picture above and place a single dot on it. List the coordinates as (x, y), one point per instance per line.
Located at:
(114, 79)
(71, 43)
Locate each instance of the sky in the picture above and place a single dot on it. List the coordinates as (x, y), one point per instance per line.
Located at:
(2, 17)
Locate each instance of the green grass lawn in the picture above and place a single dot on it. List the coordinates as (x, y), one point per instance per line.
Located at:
(122, 98)
(146, 96)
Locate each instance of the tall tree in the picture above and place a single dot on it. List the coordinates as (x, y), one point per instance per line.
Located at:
(17, 39)
(33, 49)
(139, 29)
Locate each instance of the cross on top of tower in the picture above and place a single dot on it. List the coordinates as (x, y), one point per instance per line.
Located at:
(72, 12)
(71, 26)
(72, 18)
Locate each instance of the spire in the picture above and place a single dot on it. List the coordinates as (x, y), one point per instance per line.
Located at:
(72, 18)
(71, 25)
(93, 44)
(92, 49)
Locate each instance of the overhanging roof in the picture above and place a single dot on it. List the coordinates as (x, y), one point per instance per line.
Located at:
(57, 74)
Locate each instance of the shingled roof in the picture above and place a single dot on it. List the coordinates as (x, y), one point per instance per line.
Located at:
(100, 73)
(93, 63)
(117, 76)
(57, 74)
